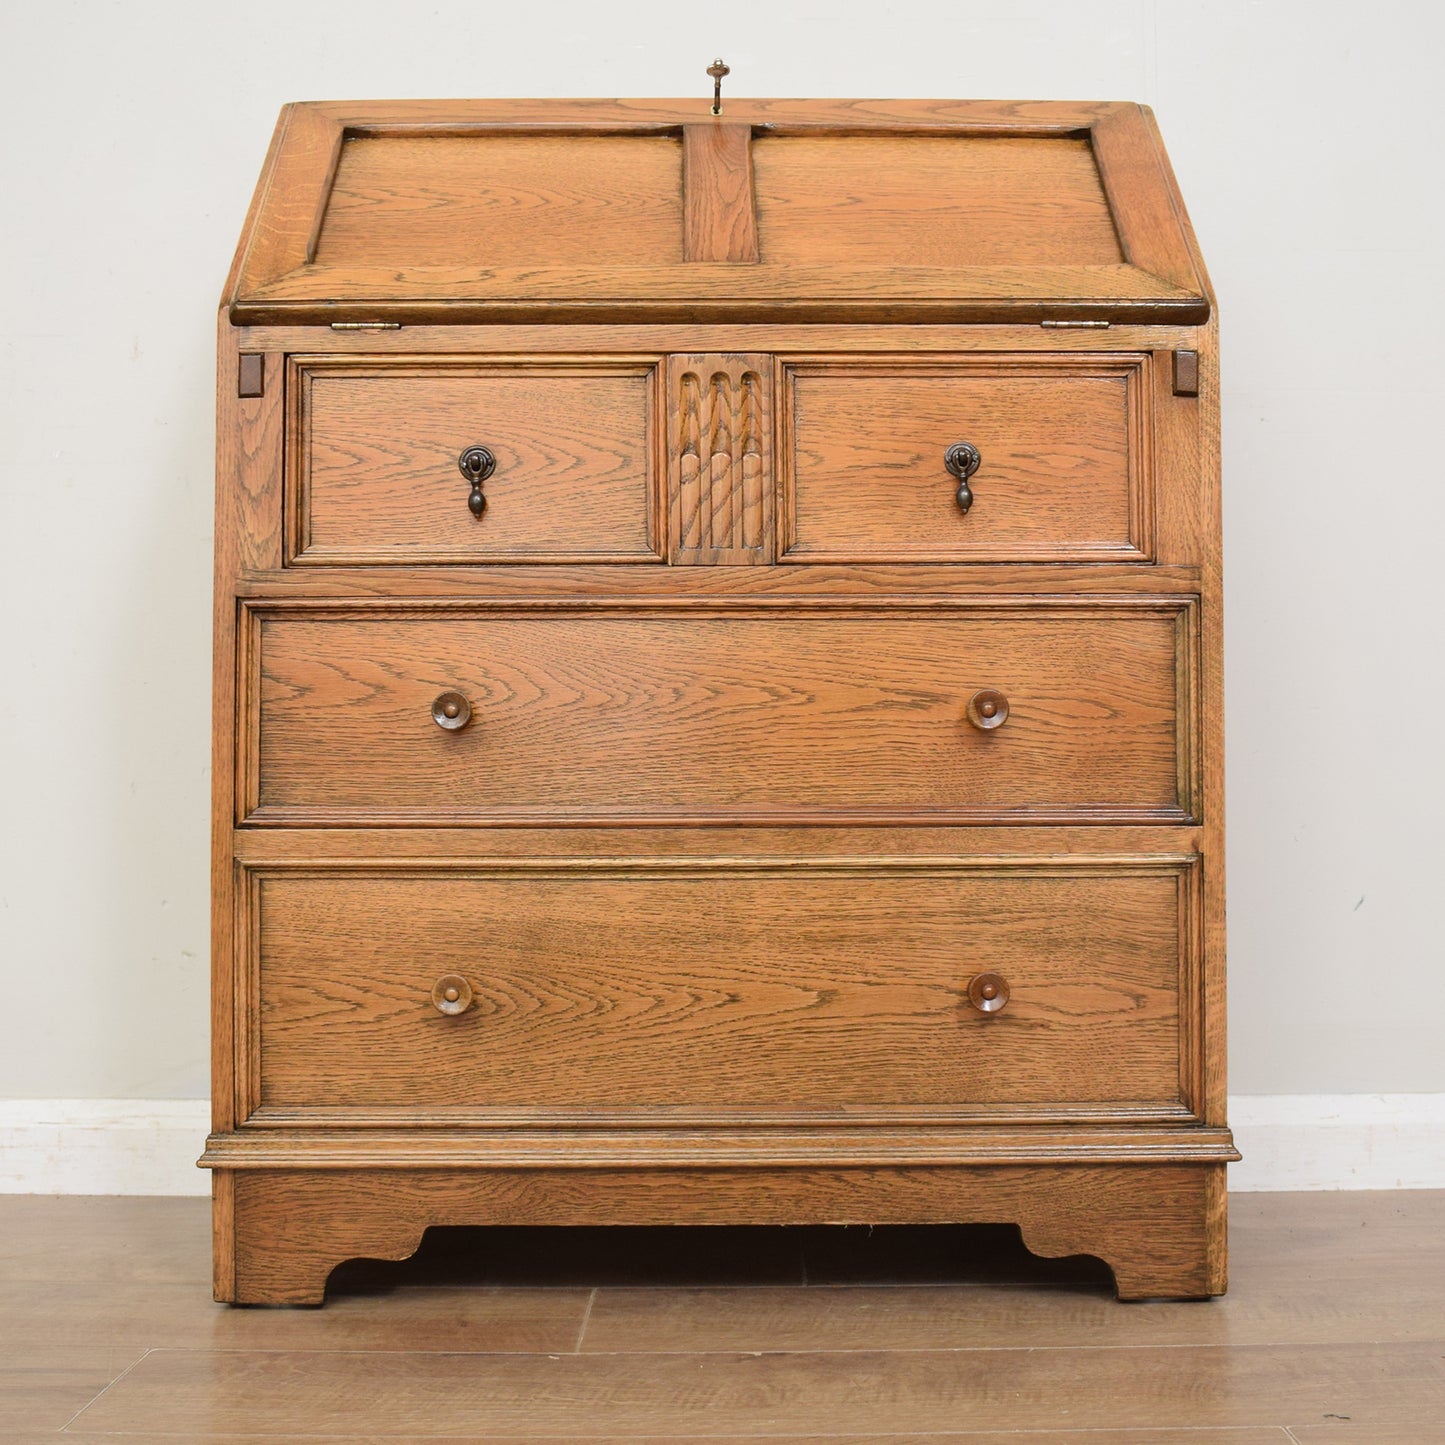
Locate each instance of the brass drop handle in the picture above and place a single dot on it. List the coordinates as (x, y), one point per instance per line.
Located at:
(962, 459)
(987, 709)
(477, 464)
(452, 994)
(451, 711)
(988, 992)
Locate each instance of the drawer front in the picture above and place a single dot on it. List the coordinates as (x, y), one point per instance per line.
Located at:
(724, 986)
(735, 716)
(377, 456)
(1062, 463)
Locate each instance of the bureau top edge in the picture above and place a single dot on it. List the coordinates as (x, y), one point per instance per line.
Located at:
(962, 212)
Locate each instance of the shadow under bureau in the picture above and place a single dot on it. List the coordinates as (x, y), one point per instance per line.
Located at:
(717, 682)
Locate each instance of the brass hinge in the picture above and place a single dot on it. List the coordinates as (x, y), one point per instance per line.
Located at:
(366, 325)
(1076, 325)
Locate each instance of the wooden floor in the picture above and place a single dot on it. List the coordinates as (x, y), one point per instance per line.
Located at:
(1333, 1330)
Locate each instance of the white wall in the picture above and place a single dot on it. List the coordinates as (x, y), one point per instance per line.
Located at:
(1307, 139)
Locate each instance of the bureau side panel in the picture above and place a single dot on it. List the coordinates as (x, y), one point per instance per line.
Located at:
(249, 437)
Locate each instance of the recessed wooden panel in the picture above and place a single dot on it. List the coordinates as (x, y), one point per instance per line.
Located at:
(949, 201)
(803, 714)
(1064, 473)
(504, 199)
(717, 987)
(376, 474)
(943, 211)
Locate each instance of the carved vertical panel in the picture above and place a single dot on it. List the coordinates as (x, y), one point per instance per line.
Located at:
(719, 438)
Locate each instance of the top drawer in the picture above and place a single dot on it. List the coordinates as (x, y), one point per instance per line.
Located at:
(376, 462)
(1061, 445)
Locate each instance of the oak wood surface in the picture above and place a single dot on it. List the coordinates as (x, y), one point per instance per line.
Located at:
(765, 845)
(1152, 1224)
(371, 203)
(665, 732)
(376, 462)
(796, 990)
(1065, 472)
(504, 200)
(720, 291)
(721, 220)
(845, 337)
(931, 200)
(719, 448)
(722, 716)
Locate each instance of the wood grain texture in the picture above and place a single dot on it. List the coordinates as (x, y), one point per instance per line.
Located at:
(1066, 460)
(363, 201)
(647, 1139)
(727, 717)
(931, 200)
(1072, 1396)
(924, 843)
(720, 292)
(42, 1322)
(589, 994)
(720, 219)
(1143, 198)
(650, 338)
(715, 833)
(499, 199)
(719, 448)
(44, 1394)
(279, 236)
(376, 462)
(1146, 1222)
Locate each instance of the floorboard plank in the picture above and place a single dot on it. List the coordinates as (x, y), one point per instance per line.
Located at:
(779, 1394)
(1271, 1436)
(1338, 1432)
(100, 1238)
(45, 1396)
(45, 1321)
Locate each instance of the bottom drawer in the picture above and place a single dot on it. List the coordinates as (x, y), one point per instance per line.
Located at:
(721, 987)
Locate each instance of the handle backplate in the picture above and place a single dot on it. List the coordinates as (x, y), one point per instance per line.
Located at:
(962, 459)
(476, 465)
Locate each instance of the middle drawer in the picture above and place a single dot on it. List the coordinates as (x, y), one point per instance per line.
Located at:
(456, 713)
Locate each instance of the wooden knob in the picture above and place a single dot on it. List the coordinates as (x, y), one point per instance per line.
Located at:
(451, 711)
(988, 992)
(452, 994)
(988, 709)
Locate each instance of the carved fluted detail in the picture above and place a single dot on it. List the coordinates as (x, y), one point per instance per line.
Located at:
(719, 452)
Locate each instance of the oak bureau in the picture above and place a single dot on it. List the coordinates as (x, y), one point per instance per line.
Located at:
(717, 692)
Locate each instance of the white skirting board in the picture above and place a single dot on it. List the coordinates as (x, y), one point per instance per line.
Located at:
(1289, 1141)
